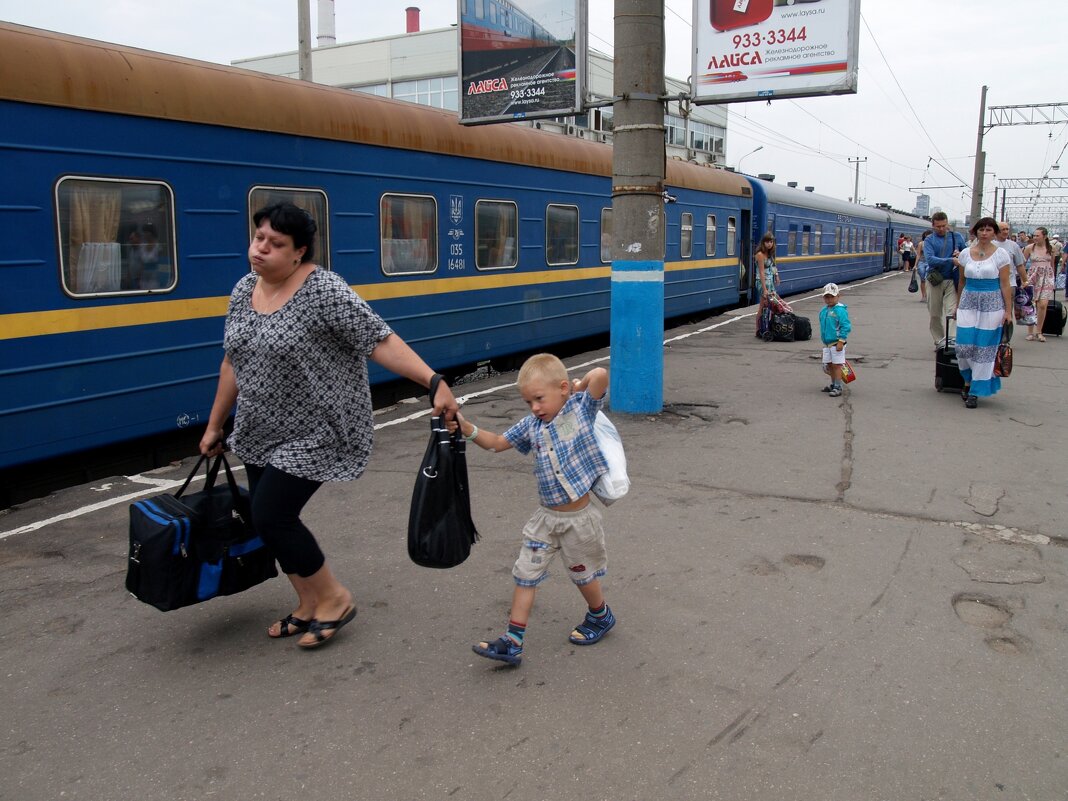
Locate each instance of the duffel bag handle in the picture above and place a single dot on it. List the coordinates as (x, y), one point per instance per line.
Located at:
(211, 472)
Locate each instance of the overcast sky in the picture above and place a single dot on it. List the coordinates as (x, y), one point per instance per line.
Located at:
(915, 117)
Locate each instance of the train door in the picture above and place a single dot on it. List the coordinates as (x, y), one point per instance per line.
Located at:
(745, 260)
(888, 254)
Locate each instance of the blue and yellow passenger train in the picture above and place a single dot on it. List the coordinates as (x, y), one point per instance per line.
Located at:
(129, 182)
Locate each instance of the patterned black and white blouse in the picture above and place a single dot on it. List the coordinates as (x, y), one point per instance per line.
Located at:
(303, 399)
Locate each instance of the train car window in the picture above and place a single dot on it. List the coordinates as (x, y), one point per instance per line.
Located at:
(791, 241)
(819, 239)
(806, 241)
(854, 240)
(561, 234)
(606, 236)
(771, 225)
(686, 237)
(115, 236)
(837, 239)
(409, 234)
(710, 235)
(732, 232)
(480, 9)
(496, 234)
(312, 201)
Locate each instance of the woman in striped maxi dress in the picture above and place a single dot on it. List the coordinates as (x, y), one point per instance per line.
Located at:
(985, 305)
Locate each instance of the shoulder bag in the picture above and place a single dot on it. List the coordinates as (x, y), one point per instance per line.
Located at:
(934, 275)
(440, 529)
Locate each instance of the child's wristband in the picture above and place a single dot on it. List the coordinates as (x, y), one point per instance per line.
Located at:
(474, 433)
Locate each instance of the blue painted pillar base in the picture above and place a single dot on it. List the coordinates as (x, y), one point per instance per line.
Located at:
(636, 378)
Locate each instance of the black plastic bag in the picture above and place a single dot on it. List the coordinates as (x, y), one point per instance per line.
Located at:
(914, 282)
(440, 529)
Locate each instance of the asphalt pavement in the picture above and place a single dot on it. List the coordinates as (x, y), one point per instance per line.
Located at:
(819, 599)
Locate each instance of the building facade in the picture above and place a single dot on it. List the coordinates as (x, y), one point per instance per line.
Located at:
(422, 67)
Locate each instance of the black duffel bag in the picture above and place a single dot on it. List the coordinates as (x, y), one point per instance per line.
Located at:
(185, 549)
(782, 327)
(440, 529)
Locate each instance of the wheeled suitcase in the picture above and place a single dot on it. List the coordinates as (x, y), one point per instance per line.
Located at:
(1056, 315)
(947, 371)
(802, 328)
(764, 328)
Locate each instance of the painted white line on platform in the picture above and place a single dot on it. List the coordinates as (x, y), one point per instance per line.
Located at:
(157, 484)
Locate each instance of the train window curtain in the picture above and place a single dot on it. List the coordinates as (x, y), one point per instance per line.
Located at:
(312, 201)
(606, 235)
(496, 227)
(116, 235)
(710, 235)
(561, 235)
(409, 234)
(686, 235)
(94, 222)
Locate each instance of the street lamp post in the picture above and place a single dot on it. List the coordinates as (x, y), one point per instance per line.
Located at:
(750, 153)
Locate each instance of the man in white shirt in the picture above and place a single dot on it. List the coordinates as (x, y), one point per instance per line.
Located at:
(1005, 241)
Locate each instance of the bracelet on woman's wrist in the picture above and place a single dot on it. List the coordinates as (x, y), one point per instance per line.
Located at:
(474, 433)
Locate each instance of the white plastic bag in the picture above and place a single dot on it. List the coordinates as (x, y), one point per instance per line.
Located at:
(613, 485)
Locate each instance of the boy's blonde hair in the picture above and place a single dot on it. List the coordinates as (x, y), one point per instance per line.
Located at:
(544, 366)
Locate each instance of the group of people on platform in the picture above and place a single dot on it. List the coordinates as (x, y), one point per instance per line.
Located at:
(982, 283)
(297, 340)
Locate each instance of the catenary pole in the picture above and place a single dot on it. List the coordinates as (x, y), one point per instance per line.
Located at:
(304, 60)
(980, 164)
(638, 165)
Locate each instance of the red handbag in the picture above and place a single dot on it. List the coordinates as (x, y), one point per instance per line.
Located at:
(849, 375)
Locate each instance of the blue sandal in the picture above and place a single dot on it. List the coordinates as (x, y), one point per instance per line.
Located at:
(593, 628)
(502, 649)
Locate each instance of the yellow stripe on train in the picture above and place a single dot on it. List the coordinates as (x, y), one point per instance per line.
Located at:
(151, 311)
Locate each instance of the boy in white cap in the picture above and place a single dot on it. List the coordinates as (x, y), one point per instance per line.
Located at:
(834, 329)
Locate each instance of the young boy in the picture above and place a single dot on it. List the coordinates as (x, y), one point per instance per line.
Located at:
(567, 461)
(834, 329)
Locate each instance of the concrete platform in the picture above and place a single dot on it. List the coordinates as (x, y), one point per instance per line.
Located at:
(820, 599)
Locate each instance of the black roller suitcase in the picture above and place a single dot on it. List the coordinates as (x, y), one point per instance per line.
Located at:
(947, 371)
(1056, 314)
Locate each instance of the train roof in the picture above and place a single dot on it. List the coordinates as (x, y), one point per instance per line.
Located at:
(910, 220)
(55, 69)
(776, 193)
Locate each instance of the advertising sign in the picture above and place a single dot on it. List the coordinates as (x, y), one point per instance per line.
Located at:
(764, 49)
(521, 59)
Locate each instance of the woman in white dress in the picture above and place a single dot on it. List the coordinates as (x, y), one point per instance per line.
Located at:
(985, 306)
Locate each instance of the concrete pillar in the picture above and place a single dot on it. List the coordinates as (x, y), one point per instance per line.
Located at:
(638, 165)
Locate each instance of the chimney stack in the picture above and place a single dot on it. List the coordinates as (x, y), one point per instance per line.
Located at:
(326, 37)
(413, 19)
